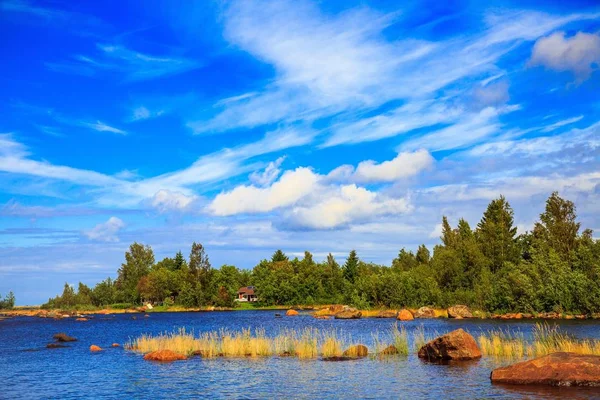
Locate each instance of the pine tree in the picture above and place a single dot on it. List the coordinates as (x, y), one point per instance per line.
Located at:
(350, 269)
(279, 256)
(496, 234)
(423, 255)
(179, 261)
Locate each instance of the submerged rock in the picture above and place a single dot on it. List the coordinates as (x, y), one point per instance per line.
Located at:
(556, 369)
(63, 337)
(164, 356)
(322, 316)
(459, 311)
(456, 345)
(82, 319)
(356, 351)
(55, 346)
(349, 314)
(424, 312)
(386, 314)
(94, 348)
(291, 313)
(405, 315)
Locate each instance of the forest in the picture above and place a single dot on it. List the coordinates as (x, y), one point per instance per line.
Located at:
(554, 267)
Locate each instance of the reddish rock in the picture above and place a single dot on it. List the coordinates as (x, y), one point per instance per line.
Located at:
(456, 345)
(556, 369)
(424, 312)
(405, 315)
(116, 345)
(291, 313)
(63, 337)
(164, 356)
(322, 317)
(459, 311)
(389, 351)
(349, 314)
(356, 351)
(386, 314)
(95, 348)
(81, 319)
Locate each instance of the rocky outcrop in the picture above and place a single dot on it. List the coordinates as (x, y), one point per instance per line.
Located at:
(164, 356)
(459, 311)
(456, 345)
(425, 312)
(386, 314)
(95, 348)
(356, 351)
(63, 337)
(349, 314)
(291, 313)
(405, 315)
(556, 369)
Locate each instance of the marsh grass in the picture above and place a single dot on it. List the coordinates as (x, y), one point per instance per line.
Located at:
(546, 339)
(400, 337)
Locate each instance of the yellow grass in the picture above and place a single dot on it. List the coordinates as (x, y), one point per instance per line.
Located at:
(546, 339)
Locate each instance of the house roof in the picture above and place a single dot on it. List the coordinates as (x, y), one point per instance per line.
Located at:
(246, 290)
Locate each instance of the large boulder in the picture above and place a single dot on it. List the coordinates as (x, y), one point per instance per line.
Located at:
(556, 369)
(386, 314)
(456, 345)
(357, 351)
(63, 337)
(459, 311)
(425, 312)
(348, 314)
(94, 348)
(405, 315)
(164, 356)
(291, 313)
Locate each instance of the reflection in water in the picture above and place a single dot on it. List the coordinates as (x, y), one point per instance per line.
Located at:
(116, 373)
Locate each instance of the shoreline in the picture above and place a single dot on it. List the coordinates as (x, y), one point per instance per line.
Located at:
(320, 312)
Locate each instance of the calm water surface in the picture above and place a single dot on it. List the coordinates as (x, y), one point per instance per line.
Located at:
(30, 371)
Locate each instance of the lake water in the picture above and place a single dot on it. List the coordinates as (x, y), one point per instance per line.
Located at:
(30, 371)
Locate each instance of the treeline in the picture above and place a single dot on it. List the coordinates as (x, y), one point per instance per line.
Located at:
(8, 302)
(555, 267)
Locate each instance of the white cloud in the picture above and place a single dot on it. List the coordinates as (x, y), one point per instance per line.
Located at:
(141, 113)
(165, 200)
(102, 127)
(106, 231)
(436, 232)
(579, 54)
(269, 174)
(562, 123)
(495, 94)
(291, 187)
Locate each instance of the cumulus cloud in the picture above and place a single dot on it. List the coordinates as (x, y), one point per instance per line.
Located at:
(268, 175)
(579, 54)
(291, 187)
(404, 165)
(106, 231)
(166, 200)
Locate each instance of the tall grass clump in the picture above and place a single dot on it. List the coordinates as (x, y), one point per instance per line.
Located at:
(400, 337)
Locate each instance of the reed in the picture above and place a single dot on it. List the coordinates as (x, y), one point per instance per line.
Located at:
(400, 337)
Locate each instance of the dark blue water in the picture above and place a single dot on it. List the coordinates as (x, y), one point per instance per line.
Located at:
(30, 371)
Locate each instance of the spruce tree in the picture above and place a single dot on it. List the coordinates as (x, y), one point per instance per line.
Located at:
(496, 234)
(279, 256)
(350, 269)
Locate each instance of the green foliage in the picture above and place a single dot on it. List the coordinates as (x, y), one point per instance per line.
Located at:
(554, 268)
(8, 302)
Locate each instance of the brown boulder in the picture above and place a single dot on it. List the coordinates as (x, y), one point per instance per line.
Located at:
(386, 314)
(456, 345)
(291, 313)
(349, 314)
(95, 348)
(356, 351)
(116, 345)
(459, 311)
(405, 315)
(424, 312)
(389, 351)
(322, 317)
(556, 369)
(63, 337)
(164, 356)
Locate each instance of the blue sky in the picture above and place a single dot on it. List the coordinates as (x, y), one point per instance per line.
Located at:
(251, 126)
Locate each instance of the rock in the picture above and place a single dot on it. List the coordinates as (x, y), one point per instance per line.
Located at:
(356, 351)
(386, 314)
(164, 356)
(116, 345)
(95, 348)
(146, 316)
(277, 315)
(460, 310)
(140, 309)
(389, 351)
(291, 313)
(348, 315)
(581, 316)
(339, 358)
(322, 317)
(55, 346)
(456, 345)
(337, 308)
(405, 315)
(549, 315)
(63, 337)
(556, 369)
(527, 315)
(81, 319)
(424, 312)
